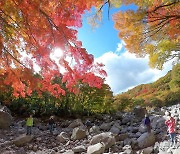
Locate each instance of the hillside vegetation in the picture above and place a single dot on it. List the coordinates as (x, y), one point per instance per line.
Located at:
(163, 92)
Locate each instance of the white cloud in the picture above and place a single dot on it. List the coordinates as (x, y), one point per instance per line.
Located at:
(126, 71)
(120, 46)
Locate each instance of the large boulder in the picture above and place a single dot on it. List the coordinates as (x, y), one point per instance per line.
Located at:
(79, 149)
(127, 149)
(122, 137)
(146, 140)
(76, 123)
(115, 129)
(105, 126)
(127, 119)
(5, 109)
(68, 152)
(142, 128)
(158, 122)
(94, 130)
(139, 112)
(62, 137)
(23, 140)
(147, 150)
(176, 151)
(78, 133)
(98, 148)
(107, 138)
(5, 119)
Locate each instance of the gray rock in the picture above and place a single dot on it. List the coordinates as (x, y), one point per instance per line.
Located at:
(142, 128)
(122, 137)
(147, 150)
(105, 126)
(5, 119)
(62, 137)
(146, 140)
(76, 123)
(176, 151)
(115, 129)
(94, 130)
(139, 112)
(98, 148)
(78, 133)
(23, 140)
(127, 141)
(69, 152)
(126, 119)
(108, 138)
(79, 149)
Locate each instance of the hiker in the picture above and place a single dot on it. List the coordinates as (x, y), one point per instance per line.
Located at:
(88, 124)
(51, 124)
(29, 124)
(147, 123)
(170, 122)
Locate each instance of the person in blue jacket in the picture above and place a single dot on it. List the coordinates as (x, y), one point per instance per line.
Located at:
(147, 123)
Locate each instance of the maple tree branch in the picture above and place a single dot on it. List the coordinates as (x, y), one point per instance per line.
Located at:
(109, 5)
(103, 5)
(15, 2)
(13, 57)
(31, 34)
(165, 17)
(165, 5)
(26, 20)
(154, 27)
(158, 29)
(8, 24)
(61, 31)
(57, 28)
(157, 19)
(161, 23)
(10, 18)
(51, 23)
(17, 25)
(176, 55)
(7, 60)
(172, 56)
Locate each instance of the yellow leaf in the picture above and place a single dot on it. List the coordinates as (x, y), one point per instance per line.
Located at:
(116, 3)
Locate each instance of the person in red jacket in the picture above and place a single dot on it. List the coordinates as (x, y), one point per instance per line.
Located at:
(171, 129)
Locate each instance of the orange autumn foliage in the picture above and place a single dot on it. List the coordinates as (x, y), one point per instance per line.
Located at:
(34, 28)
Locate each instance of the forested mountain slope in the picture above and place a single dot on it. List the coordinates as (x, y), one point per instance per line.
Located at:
(164, 91)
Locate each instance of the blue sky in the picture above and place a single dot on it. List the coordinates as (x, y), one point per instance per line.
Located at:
(124, 69)
(105, 38)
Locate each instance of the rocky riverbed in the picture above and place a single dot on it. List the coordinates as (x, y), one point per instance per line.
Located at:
(122, 132)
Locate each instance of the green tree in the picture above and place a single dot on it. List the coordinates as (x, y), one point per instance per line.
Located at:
(175, 75)
(122, 102)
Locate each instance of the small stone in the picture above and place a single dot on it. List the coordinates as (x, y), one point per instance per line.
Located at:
(35, 148)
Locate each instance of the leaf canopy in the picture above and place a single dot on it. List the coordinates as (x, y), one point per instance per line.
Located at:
(153, 29)
(29, 31)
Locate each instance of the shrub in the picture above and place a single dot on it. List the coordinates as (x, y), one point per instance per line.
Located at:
(172, 98)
